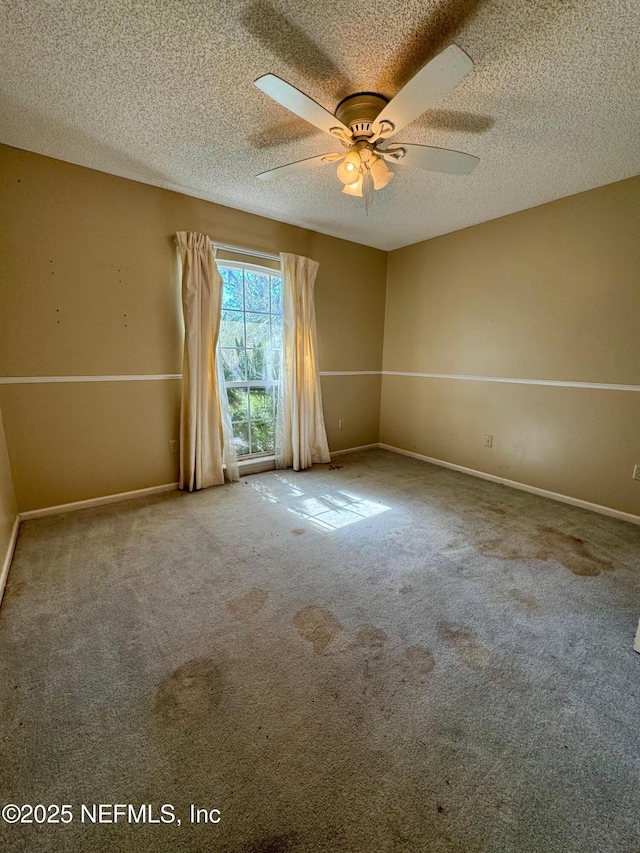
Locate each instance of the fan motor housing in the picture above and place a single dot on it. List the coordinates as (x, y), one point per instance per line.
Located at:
(358, 112)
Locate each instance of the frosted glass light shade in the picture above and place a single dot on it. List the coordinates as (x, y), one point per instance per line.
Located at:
(349, 169)
(381, 173)
(355, 188)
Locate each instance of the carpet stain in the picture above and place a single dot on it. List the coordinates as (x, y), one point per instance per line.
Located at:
(510, 547)
(246, 606)
(298, 531)
(547, 543)
(273, 844)
(317, 625)
(528, 602)
(495, 509)
(370, 637)
(14, 589)
(191, 692)
(572, 552)
(421, 659)
(464, 643)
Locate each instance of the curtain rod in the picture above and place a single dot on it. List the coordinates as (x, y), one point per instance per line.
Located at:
(239, 250)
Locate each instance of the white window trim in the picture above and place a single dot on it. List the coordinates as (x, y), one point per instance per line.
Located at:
(259, 461)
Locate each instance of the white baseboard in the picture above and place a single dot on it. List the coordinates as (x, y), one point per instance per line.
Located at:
(523, 487)
(169, 487)
(9, 556)
(91, 502)
(355, 449)
(250, 466)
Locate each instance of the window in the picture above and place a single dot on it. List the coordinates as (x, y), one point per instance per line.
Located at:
(251, 345)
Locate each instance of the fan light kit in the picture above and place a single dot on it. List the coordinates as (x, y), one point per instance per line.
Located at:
(364, 122)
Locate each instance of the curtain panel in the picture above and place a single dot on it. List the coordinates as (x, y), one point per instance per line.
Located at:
(206, 441)
(301, 438)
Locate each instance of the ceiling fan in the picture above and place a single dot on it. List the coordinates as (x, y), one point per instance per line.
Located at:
(365, 121)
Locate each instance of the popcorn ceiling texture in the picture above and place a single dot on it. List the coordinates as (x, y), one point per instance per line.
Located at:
(163, 93)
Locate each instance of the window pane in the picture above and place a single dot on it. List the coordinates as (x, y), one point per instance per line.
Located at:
(241, 438)
(261, 404)
(232, 288)
(251, 351)
(276, 295)
(257, 330)
(276, 331)
(256, 291)
(272, 364)
(261, 364)
(262, 437)
(234, 364)
(238, 404)
(232, 329)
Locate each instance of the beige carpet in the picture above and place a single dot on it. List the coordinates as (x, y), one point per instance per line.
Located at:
(378, 655)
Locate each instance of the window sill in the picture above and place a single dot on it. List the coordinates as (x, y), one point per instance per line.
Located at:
(256, 466)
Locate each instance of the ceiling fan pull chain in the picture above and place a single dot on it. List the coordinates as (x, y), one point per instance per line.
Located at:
(367, 182)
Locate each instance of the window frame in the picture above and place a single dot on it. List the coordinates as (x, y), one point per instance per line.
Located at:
(272, 272)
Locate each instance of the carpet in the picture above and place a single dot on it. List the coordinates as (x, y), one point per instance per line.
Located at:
(374, 655)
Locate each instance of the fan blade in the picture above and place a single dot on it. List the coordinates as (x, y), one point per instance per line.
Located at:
(300, 104)
(301, 165)
(430, 84)
(433, 159)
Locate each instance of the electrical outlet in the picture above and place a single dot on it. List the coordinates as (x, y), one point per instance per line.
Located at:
(174, 446)
(340, 423)
(636, 472)
(488, 441)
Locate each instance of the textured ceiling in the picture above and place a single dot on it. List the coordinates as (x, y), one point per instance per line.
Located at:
(161, 91)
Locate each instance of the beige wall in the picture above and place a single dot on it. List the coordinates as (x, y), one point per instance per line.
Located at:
(548, 293)
(89, 288)
(8, 509)
(350, 317)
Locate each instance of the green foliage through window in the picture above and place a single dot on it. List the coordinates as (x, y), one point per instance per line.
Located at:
(251, 346)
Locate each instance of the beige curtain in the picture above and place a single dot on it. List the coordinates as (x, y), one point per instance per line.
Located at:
(301, 438)
(205, 428)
